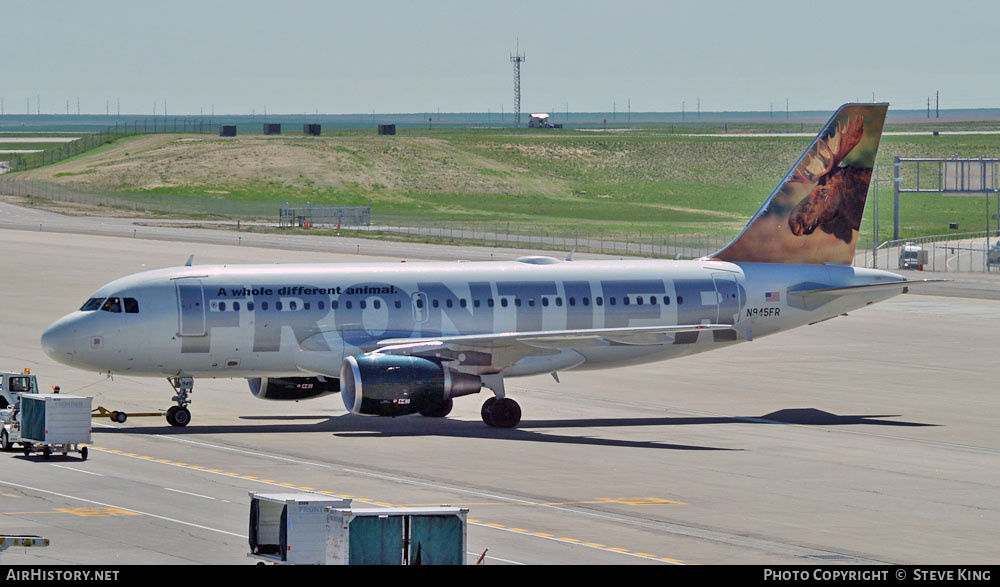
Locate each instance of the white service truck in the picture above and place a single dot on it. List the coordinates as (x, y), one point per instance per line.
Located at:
(912, 256)
(10, 428)
(13, 384)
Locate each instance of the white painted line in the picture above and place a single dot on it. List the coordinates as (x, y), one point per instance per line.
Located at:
(476, 555)
(78, 470)
(576, 543)
(406, 481)
(189, 493)
(108, 505)
(38, 139)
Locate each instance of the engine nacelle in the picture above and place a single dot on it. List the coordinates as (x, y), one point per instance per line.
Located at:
(292, 388)
(393, 385)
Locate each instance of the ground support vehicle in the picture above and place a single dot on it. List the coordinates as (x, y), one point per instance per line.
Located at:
(993, 255)
(22, 541)
(55, 423)
(912, 256)
(13, 384)
(120, 417)
(301, 528)
(10, 429)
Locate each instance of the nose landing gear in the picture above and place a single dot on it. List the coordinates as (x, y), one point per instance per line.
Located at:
(179, 415)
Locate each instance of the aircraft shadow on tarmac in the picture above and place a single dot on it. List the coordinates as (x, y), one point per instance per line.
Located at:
(350, 426)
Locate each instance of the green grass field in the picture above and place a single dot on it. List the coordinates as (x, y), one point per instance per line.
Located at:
(590, 182)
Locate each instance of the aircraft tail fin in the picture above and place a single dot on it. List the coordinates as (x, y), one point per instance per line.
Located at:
(814, 214)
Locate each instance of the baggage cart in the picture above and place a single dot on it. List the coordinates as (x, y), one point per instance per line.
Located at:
(55, 423)
(290, 528)
(311, 529)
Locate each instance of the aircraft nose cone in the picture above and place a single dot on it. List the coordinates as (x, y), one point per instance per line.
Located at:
(57, 340)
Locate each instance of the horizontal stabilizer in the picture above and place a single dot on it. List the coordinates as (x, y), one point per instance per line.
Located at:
(811, 299)
(848, 289)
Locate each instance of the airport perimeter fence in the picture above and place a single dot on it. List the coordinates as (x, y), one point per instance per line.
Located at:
(140, 203)
(965, 252)
(462, 232)
(527, 236)
(91, 140)
(968, 252)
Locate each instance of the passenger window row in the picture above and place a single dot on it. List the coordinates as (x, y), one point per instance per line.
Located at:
(555, 300)
(305, 305)
(376, 303)
(131, 305)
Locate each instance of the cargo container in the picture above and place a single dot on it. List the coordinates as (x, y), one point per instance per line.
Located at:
(55, 423)
(290, 528)
(311, 529)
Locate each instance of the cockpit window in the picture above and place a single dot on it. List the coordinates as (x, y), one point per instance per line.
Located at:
(112, 305)
(91, 305)
(131, 306)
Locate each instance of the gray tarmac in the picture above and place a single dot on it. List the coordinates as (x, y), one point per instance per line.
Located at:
(865, 439)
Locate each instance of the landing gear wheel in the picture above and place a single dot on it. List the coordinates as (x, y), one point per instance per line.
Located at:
(439, 410)
(178, 416)
(501, 413)
(487, 410)
(4, 442)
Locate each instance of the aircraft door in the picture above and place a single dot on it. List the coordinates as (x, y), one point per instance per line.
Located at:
(420, 311)
(728, 291)
(190, 307)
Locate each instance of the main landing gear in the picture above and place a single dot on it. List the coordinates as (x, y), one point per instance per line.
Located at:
(499, 411)
(179, 415)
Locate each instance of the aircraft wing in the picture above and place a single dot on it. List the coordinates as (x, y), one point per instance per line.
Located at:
(492, 352)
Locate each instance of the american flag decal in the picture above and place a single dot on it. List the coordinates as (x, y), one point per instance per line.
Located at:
(772, 296)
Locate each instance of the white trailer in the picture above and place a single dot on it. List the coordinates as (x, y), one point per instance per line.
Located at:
(55, 423)
(290, 528)
(311, 529)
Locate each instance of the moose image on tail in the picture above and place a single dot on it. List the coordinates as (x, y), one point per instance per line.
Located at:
(826, 189)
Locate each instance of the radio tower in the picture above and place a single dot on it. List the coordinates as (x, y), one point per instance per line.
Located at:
(517, 59)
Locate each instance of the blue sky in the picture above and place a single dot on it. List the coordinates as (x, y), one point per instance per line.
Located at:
(300, 56)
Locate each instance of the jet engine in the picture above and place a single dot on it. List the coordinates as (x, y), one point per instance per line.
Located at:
(392, 385)
(292, 388)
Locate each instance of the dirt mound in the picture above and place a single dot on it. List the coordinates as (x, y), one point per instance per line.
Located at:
(216, 166)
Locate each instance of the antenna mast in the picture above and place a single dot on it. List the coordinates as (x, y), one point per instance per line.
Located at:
(517, 58)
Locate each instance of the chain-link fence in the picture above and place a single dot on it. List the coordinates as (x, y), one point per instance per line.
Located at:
(965, 252)
(91, 140)
(527, 236)
(486, 233)
(953, 253)
(140, 202)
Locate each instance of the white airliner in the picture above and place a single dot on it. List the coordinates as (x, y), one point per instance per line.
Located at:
(397, 339)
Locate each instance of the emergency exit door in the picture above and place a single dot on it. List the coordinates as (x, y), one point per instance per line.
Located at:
(191, 307)
(728, 291)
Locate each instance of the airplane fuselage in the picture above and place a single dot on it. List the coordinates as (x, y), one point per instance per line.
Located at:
(296, 319)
